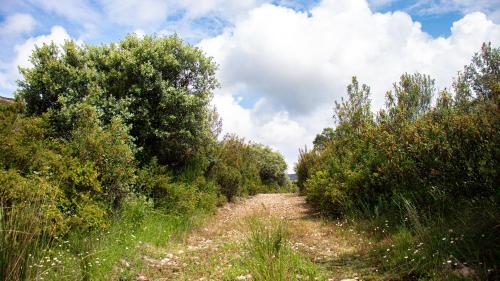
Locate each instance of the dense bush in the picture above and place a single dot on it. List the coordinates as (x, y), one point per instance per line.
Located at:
(433, 155)
(92, 171)
(247, 168)
(430, 167)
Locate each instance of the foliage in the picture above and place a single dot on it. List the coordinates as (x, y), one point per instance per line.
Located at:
(247, 168)
(159, 86)
(115, 132)
(441, 159)
(28, 219)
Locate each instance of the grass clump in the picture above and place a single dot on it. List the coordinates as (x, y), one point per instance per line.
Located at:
(117, 254)
(270, 257)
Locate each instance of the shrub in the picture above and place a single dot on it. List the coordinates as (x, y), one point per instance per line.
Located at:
(242, 168)
(29, 217)
(109, 149)
(433, 155)
(430, 168)
(229, 180)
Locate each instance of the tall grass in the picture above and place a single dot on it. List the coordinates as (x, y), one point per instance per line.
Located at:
(117, 254)
(270, 257)
(21, 240)
(413, 243)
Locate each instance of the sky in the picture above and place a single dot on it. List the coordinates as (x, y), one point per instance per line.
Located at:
(283, 63)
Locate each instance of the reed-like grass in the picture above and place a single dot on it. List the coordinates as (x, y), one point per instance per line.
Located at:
(22, 240)
(270, 257)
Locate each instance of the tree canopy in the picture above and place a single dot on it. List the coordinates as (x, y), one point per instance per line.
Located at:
(159, 86)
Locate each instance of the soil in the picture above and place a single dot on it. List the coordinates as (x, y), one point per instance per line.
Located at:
(212, 249)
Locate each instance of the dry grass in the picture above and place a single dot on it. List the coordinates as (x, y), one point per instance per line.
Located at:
(219, 249)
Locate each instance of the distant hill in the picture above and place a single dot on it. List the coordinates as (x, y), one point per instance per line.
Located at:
(292, 177)
(6, 99)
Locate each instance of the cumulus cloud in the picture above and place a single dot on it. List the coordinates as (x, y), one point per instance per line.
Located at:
(75, 10)
(17, 24)
(136, 13)
(296, 64)
(151, 13)
(227, 9)
(9, 70)
(282, 68)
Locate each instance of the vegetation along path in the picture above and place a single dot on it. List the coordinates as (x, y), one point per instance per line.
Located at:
(265, 237)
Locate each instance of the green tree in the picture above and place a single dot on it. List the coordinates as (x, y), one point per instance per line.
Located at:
(321, 140)
(159, 86)
(354, 112)
(483, 74)
(272, 165)
(411, 97)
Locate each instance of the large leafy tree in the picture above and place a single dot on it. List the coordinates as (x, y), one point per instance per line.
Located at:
(160, 86)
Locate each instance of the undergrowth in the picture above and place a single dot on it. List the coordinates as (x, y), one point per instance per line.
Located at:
(414, 245)
(115, 254)
(270, 256)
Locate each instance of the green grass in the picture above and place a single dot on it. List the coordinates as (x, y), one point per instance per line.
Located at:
(269, 256)
(117, 254)
(21, 240)
(460, 245)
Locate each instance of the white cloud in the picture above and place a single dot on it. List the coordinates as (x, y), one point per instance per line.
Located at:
(137, 13)
(80, 11)
(150, 14)
(296, 64)
(9, 70)
(226, 8)
(17, 24)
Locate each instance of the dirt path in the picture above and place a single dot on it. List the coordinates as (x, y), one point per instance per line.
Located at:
(211, 251)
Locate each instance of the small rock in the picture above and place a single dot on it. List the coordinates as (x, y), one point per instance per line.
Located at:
(244, 277)
(125, 263)
(141, 278)
(465, 271)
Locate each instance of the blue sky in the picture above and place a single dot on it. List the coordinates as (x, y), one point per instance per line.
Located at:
(283, 63)
(94, 22)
